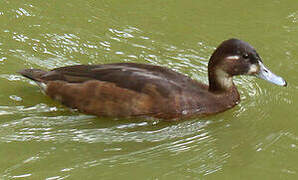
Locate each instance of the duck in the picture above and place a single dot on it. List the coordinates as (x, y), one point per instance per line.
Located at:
(143, 90)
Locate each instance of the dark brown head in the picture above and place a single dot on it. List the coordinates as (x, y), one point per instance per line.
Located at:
(236, 57)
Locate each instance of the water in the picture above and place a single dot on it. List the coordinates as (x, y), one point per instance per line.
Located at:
(41, 139)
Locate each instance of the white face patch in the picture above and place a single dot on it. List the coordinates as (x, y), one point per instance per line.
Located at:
(236, 57)
(253, 69)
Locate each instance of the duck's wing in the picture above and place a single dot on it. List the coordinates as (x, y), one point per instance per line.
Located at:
(131, 76)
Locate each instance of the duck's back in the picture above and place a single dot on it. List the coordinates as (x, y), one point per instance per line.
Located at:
(127, 89)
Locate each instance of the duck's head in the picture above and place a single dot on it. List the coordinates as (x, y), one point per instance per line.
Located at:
(235, 57)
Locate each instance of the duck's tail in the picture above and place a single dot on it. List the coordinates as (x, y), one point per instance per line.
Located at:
(33, 74)
(36, 76)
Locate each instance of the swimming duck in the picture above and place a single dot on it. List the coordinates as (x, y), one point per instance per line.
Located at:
(133, 90)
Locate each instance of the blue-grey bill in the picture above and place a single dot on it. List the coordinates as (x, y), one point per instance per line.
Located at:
(267, 75)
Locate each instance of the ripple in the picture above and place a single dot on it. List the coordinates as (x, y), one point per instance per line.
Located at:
(11, 77)
(22, 110)
(292, 26)
(175, 139)
(20, 37)
(172, 140)
(22, 12)
(49, 63)
(37, 128)
(15, 98)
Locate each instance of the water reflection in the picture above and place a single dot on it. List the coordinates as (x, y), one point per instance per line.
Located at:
(292, 26)
(37, 128)
(175, 139)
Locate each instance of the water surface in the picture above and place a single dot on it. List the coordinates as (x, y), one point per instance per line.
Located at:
(41, 139)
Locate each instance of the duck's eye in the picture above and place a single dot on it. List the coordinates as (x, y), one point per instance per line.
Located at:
(245, 56)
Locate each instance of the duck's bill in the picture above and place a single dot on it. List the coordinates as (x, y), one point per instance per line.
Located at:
(267, 75)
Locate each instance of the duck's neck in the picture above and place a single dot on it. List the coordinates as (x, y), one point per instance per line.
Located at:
(220, 81)
(221, 84)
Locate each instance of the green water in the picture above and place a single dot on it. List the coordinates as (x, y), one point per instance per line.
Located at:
(41, 139)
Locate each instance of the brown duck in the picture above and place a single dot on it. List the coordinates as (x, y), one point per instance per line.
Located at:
(133, 90)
